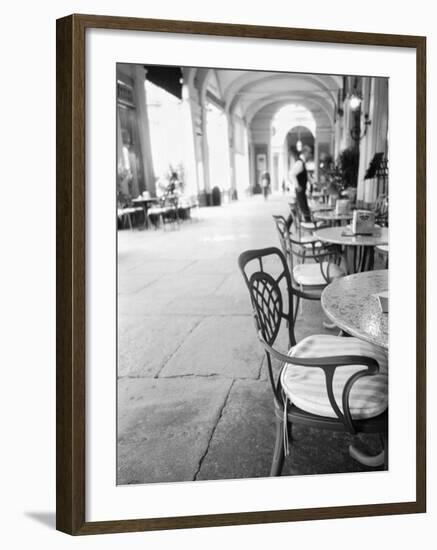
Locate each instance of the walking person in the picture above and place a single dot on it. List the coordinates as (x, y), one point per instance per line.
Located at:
(265, 184)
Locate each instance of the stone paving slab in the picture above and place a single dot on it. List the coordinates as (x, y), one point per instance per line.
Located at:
(131, 282)
(243, 440)
(150, 265)
(164, 427)
(189, 286)
(215, 304)
(218, 346)
(145, 345)
(218, 266)
(163, 294)
(233, 285)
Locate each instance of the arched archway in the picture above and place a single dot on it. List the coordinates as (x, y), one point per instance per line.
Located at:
(296, 139)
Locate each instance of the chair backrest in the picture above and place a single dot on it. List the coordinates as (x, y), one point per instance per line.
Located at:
(271, 305)
(297, 217)
(284, 239)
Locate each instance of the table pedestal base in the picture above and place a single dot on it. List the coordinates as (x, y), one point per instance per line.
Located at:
(359, 259)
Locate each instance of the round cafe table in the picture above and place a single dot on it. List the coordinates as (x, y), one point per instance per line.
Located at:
(145, 203)
(362, 246)
(349, 302)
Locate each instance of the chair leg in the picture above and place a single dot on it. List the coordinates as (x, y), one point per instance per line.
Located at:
(369, 460)
(296, 309)
(290, 432)
(278, 454)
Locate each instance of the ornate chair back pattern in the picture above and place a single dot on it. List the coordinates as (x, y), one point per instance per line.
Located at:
(270, 305)
(267, 299)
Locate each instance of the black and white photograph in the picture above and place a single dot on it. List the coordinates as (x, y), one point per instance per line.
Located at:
(218, 292)
(252, 277)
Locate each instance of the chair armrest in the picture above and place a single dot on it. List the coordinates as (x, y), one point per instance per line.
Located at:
(319, 255)
(304, 295)
(329, 365)
(322, 362)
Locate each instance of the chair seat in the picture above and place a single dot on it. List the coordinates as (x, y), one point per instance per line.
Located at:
(128, 210)
(306, 386)
(308, 241)
(313, 244)
(308, 225)
(311, 275)
(155, 211)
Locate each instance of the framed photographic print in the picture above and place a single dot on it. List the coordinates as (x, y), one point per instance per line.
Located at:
(240, 274)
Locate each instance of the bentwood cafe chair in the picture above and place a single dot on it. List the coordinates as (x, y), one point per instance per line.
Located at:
(328, 382)
(312, 265)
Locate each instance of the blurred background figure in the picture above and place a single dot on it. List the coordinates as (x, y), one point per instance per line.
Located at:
(265, 184)
(299, 177)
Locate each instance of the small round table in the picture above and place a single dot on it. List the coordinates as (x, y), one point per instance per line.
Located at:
(362, 245)
(145, 204)
(349, 303)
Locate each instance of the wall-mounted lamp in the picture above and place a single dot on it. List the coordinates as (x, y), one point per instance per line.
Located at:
(356, 130)
(355, 101)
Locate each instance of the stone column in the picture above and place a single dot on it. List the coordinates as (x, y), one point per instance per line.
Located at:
(205, 150)
(316, 156)
(252, 160)
(143, 128)
(232, 149)
(366, 142)
(375, 103)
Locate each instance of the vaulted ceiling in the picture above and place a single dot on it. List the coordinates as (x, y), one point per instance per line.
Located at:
(251, 94)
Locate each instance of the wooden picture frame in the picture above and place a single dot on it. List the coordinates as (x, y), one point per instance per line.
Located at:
(71, 253)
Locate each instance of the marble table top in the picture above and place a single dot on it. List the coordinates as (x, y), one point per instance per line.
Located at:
(336, 235)
(320, 207)
(349, 303)
(144, 200)
(331, 215)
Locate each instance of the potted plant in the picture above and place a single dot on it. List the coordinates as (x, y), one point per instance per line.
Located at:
(348, 164)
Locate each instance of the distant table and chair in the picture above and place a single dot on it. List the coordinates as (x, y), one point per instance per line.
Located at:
(158, 211)
(359, 249)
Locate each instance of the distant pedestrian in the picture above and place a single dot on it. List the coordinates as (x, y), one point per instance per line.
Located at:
(265, 184)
